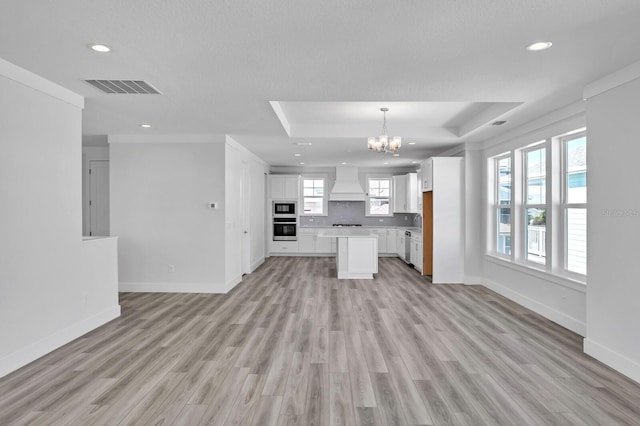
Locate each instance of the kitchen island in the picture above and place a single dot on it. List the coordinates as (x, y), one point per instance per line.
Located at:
(356, 252)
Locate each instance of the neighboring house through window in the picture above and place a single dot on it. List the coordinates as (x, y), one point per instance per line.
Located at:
(378, 202)
(539, 203)
(314, 195)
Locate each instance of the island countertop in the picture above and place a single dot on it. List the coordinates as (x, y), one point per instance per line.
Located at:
(345, 232)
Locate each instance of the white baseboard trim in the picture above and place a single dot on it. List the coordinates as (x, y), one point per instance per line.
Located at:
(615, 360)
(147, 287)
(548, 312)
(232, 283)
(257, 263)
(37, 349)
(472, 280)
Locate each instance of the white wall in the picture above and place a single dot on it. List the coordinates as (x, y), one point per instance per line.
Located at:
(160, 194)
(613, 300)
(245, 180)
(473, 207)
(170, 240)
(258, 198)
(474, 230)
(53, 286)
(233, 212)
(554, 297)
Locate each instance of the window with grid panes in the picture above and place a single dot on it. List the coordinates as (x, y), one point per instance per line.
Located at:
(575, 203)
(379, 196)
(503, 206)
(314, 196)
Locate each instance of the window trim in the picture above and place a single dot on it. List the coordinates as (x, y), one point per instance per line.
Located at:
(325, 197)
(555, 205)
(368, 197)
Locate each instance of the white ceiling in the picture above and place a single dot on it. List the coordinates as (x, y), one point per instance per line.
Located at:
(446, 69)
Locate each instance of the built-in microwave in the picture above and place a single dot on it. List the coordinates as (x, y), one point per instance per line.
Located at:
(285, 229)
(284, 208)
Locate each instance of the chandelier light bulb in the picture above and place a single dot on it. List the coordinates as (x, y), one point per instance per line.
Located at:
(383, 143)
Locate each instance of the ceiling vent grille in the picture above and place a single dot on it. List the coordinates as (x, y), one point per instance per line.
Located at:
(124, 87)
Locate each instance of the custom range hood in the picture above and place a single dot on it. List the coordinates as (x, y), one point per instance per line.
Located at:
(347, 186)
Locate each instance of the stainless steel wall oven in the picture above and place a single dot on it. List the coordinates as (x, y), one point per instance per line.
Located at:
(285, 229)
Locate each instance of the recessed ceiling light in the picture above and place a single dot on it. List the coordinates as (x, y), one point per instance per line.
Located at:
(297, 155)
(412, 143)
(396, 155)
(414, 162)
(146, 126)
(385, 163)
(303, 143)
(102, 48)
(301, 162)
(539, 45)
(343, 163)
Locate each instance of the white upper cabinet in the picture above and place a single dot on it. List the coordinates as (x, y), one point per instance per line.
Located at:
(405, 193)
(285, 187)
(427, 175)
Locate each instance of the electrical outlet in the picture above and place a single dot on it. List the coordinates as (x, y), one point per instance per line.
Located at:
(213, 205)
(406, 218)
(171, 269)
(380, 220)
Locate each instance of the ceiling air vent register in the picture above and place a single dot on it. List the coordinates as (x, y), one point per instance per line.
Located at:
(124, 87)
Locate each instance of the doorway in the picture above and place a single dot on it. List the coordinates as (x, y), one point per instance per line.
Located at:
(98, 198)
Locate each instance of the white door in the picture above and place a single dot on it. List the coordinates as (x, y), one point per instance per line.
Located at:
(246, 219)
(99, 198)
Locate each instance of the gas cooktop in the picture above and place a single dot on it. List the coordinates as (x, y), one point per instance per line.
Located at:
(347, 224)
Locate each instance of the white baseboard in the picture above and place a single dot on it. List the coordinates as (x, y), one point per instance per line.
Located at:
(37, 349)
(472, 280)
(548, 312)
(618, 362)
(147, 287)
(257, 263)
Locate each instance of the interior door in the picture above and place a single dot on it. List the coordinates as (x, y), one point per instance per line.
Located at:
(246, 218)
(99, 198)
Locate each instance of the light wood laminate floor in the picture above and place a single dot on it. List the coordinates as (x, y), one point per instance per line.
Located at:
(292, 345)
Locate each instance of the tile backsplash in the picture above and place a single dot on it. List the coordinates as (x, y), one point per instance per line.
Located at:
(352, 212)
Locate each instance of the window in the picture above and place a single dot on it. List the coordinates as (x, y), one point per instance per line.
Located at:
(314, 195)
(539, 205)
(575, 203)
(503, 206)
(378, 196)
(535, 167)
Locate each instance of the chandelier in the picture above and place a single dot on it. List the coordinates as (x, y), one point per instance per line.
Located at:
(383, 143)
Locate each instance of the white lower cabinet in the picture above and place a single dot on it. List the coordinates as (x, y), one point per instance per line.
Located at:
(325, 245)
(400, 245)
(392, 242)
(284, 246)
(416, 253)
(382, 240)
(308, 242)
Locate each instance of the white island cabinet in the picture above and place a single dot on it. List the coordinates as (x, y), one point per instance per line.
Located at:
(357, 252)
